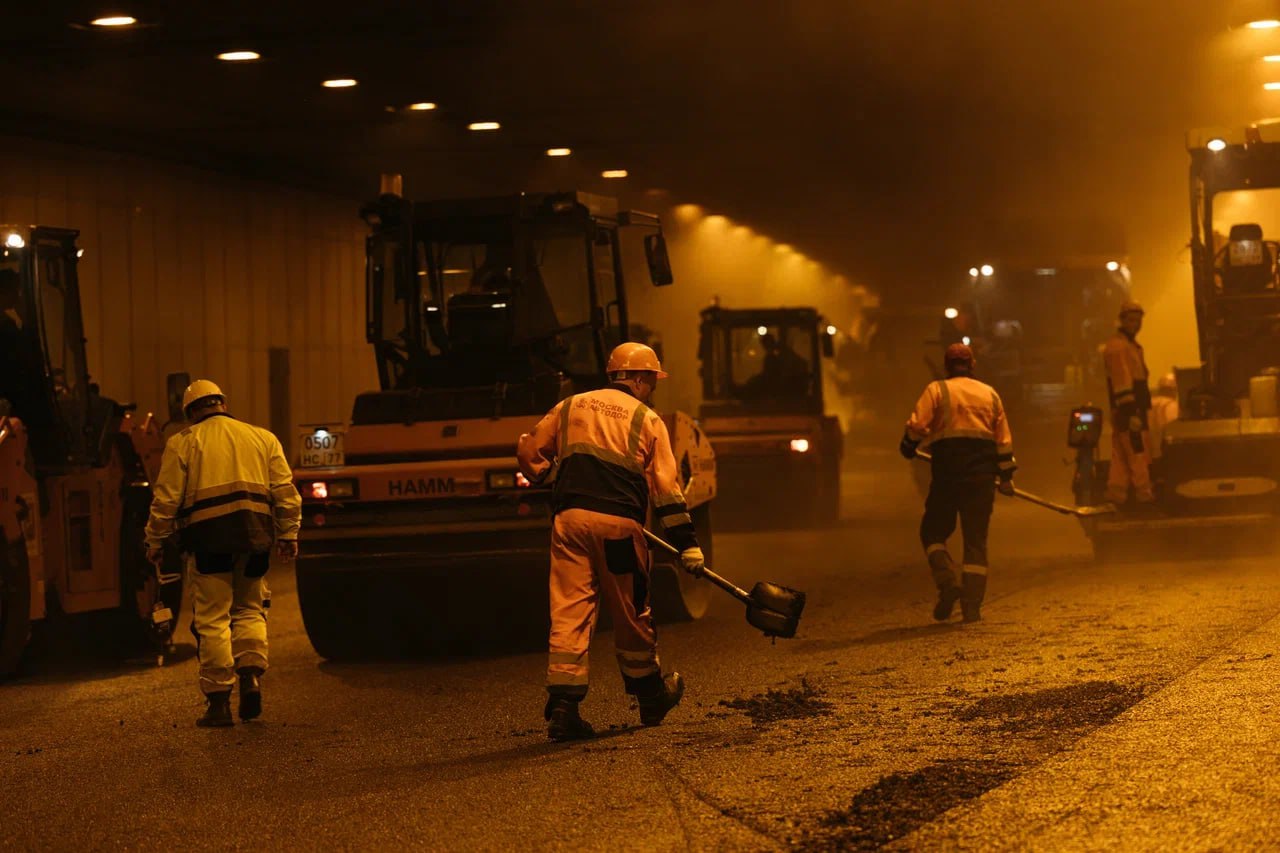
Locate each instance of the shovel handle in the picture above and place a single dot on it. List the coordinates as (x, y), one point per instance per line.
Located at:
(724, 583)
(1077, 511)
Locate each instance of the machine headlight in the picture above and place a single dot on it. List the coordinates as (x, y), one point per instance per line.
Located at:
(14, 240)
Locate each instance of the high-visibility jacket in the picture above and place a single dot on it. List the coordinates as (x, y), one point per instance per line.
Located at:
(613, 454)
(225, 488)
(965, 424)
(1126, 379)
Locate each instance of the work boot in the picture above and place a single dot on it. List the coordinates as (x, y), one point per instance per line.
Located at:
(654, 706)
(218, 714)
(250, 693)
(971, 595)
(563, 721)
(947, 597)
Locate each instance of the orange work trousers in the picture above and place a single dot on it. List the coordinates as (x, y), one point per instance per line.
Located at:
(596, 556)
(1129, 468)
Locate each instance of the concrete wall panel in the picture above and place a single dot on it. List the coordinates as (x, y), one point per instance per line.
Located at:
(187, 270)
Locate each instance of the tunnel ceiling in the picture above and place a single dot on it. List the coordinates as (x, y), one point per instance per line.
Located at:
(841, 127)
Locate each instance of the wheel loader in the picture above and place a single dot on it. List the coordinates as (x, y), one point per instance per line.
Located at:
(75, 469)
(419, 532)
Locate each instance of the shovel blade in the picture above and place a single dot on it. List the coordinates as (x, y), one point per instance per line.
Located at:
(775, 609)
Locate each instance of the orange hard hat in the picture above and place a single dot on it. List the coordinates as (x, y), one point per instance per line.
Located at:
(201, 389)
(959, 354)
(633, 356)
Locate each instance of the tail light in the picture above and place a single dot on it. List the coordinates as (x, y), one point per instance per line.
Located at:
(327, 490)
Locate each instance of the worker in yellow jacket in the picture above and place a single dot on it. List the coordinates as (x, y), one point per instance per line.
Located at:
(226, 491)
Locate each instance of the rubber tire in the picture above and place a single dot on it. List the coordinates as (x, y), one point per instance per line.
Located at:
(15, 605)
(676, 595)
(333, 612)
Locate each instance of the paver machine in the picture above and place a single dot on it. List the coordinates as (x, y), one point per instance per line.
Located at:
(778, 453)
(1218, 467)
(75, 468)
(482, 314)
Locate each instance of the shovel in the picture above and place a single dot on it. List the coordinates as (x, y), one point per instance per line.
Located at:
(773, 609)
(1077, 511)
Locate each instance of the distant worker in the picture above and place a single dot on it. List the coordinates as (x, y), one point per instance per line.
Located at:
(964, 422)
(612, 454)
(226, 491)
(1164, 411)
(1130, 404)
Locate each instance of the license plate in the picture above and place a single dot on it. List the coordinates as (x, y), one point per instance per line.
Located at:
(321, 448)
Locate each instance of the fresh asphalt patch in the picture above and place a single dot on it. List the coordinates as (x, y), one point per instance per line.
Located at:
(1075, 706)
(774, 706)
(897, 804)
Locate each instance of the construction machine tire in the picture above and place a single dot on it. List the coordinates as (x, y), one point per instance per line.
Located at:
(15, 604)
(335, 613)
(677, 596)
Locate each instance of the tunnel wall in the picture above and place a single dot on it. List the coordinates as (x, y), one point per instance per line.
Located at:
(187, 270)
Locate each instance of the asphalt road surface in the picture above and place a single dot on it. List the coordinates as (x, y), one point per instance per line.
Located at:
(1128, 706)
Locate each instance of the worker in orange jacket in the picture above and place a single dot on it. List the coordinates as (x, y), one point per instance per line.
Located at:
(964, 423)
(611, 455)
(1130, 409)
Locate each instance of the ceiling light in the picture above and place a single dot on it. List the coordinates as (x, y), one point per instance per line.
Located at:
(614, 173)
(1112, 266)
(1269, 24)
(421, 106)
(987, 270)
(484, 125)
(1271, 87)
(1216, 144)
(1275, 57)
(114, 21)
(559, 152)
(239, 56)
(339, 83)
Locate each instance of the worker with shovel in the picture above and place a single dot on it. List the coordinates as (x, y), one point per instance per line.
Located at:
(971, 447)
(611, 454)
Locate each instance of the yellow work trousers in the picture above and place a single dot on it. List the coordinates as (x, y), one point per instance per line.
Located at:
(1129, 467)
(596, 556)
(229, 623)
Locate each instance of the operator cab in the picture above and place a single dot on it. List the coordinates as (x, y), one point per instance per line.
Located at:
(46, 379)
(1247, 263)
(496, 306)
(763, 361)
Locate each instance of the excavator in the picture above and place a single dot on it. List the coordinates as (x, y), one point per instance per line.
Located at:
(482, 314)
(1217, 466)
(763, 409)
(75, 468)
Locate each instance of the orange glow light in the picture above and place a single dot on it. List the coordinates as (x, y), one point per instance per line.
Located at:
(239, 56)
(484, 125)
(1269, 24)
(422, 106)
(339, 83)
(614, 173)
(559, 152)
(687, 212)
(115, 21)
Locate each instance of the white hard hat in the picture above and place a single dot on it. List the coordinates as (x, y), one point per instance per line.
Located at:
(199, 390)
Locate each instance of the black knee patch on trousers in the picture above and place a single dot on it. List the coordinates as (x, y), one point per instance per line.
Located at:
(620, 557)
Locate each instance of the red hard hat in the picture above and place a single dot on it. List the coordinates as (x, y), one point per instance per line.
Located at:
(959, 354)
(633, 356)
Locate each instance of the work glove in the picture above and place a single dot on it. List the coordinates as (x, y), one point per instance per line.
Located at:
(907, 447)
(1135, 424)
(693, 561)
(1006, 488)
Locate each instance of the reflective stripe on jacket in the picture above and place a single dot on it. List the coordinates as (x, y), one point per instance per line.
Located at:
(614, 454)
(1126, 377)
(224, 487)
(964, 422)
